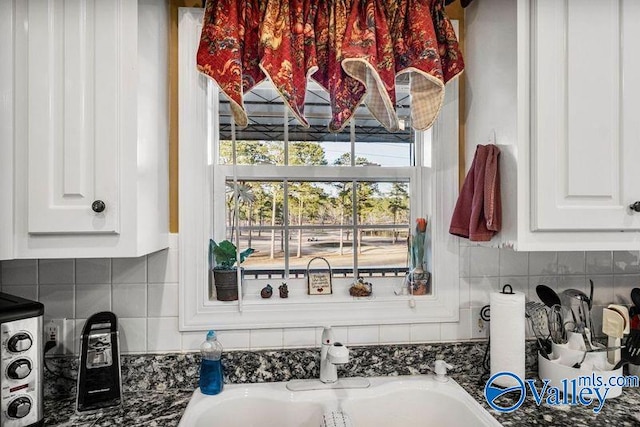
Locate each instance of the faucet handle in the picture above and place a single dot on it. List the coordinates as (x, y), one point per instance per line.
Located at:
(440, 367)
(327, 336)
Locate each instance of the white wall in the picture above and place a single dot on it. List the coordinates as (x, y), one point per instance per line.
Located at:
(143, 292)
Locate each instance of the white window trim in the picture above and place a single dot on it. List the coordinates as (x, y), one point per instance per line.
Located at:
(196, 226)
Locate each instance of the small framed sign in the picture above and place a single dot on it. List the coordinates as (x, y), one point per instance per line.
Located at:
(319, 280)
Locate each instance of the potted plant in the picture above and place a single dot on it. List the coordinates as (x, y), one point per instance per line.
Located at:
(225, 270)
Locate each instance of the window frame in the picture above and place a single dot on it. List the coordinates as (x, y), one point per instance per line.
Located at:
(196, 184)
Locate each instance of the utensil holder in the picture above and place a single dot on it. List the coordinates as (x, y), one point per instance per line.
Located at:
(559, 366)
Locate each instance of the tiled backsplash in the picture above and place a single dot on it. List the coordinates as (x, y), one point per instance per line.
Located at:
(143, 292)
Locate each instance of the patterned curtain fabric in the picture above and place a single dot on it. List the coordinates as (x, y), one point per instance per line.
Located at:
(353, 48)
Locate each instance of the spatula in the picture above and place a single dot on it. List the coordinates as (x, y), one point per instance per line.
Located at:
(631, 350)
(613, 325)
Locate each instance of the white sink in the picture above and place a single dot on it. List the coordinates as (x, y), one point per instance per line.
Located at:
(404, 401)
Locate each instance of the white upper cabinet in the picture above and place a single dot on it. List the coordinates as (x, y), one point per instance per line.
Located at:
(90, 127)
(559, 90)
(585, 110)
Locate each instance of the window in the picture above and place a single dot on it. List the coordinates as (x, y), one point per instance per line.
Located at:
(329, 191)
(295, 188)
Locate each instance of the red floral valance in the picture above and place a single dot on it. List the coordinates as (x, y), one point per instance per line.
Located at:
(353, 48)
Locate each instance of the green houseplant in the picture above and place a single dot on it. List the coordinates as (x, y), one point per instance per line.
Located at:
(222, 261)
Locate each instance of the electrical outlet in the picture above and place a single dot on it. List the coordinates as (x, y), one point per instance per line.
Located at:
(59, 331)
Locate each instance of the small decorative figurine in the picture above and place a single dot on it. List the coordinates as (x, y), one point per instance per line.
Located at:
(284, 290)
(361, 288)
(266, 292)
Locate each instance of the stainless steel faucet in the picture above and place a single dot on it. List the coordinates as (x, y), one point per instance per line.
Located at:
(331, 354)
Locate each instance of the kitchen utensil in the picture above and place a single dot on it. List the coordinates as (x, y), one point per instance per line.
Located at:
(624, 312)
(631, 350)
(595, 350)
(577, 298)
(548, 296)
(613, 325)
(537, 316)
(555, 321)
(590, 294)
(635, 297)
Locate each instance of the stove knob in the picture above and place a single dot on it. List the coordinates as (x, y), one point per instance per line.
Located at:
(19, 369)
(19, 342)
(19, 408)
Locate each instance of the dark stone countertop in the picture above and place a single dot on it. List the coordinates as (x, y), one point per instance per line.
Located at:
(157, 388)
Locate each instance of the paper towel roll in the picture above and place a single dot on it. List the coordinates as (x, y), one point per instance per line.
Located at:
(507, 329)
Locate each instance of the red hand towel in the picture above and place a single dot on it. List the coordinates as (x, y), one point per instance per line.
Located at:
(478, 212)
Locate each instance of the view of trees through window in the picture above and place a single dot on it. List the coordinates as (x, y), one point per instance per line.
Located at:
(303, 192)
(320, 218)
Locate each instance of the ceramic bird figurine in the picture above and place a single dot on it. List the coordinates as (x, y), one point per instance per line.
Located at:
(266, 292)
(284, 290)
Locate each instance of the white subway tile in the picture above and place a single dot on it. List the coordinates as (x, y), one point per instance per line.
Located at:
(24, 291)
(456, 331)
(235, 339)
(266, 339)
(299, 337)
(599, 262)
(571, 263)
(129, 300)
(572, 282)
(481, 288)
(93, 270)
(622, 286)
(163, 334)
(129, 270)
(20, 272)
(363, 334)
(58, 301)
(626, 262)
(395, 334)
(425, 332)
(133, 335)
(162, 300)
(513, 263)
(484, 261)
(602, 289)
(56, 271)
(464, 256)
(191, 340)
(543, 263)
(91, 299)
(465, 292)
(162, 266)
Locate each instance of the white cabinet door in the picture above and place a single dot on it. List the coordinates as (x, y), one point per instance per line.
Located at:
(74, 123)
(6, 130)
(585, 115)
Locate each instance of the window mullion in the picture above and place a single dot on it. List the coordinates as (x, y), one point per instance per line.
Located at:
(285, 198)
(354, 201)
